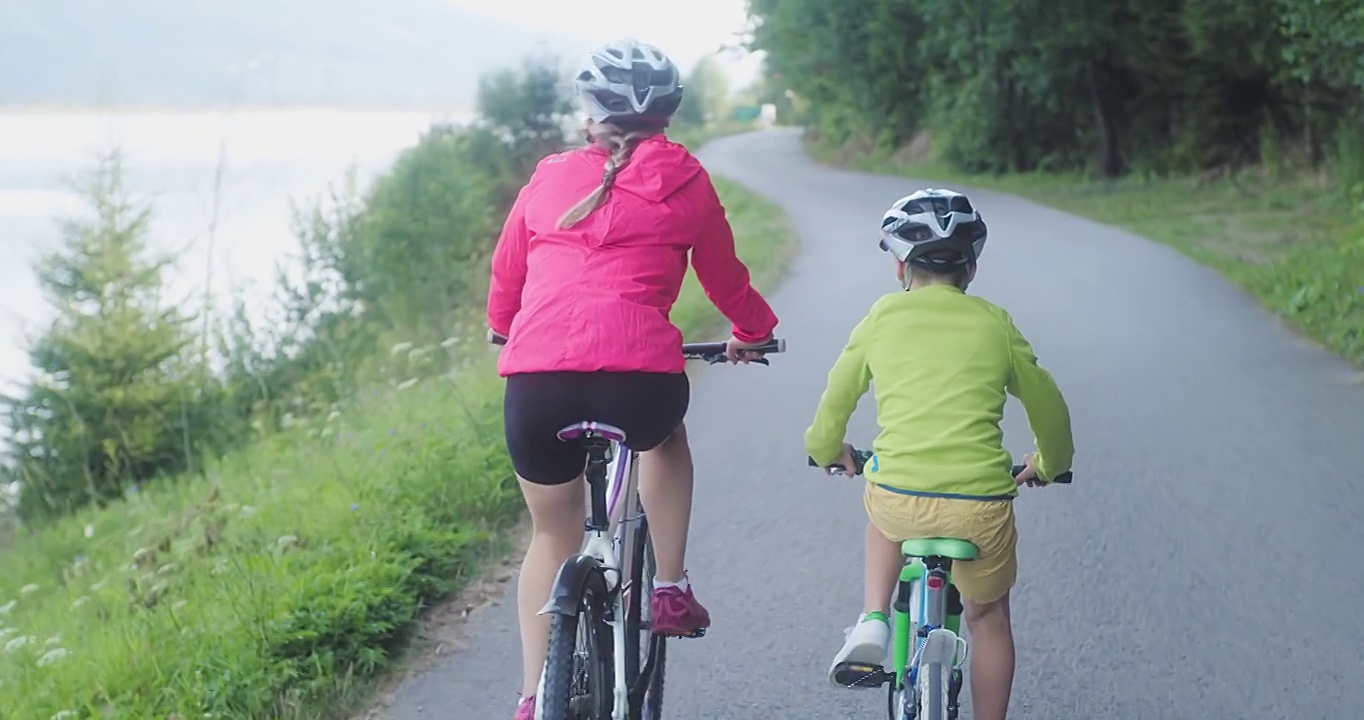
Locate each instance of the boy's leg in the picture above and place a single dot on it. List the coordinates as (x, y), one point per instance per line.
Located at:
(984, 585)
(992, 658)
(867, 641)
(884, 562)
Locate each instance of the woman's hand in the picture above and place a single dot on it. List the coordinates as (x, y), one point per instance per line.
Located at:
(737, 351)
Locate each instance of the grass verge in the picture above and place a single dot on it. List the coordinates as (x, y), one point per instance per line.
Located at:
(289, 576)
(1295, 242)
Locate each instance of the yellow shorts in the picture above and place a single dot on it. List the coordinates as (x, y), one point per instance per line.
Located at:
(988, 524)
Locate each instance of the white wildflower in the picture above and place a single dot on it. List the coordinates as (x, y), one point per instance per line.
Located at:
(53, 641)
(64, 715)
(8, 607)
(179, 605)
(6, 632)
(99, 585)
(79, 602)
(400, 348)
(89, 531)
(17, 643)
(166, 569)
(407, 384)
(248, 511)
(334, 416)
(52, 656)
(328, 431)
(449, 342)
(287, 541)
(28, 589)
(287, 420)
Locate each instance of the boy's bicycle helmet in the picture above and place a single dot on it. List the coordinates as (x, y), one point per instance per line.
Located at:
(918, 228)
(629, 81)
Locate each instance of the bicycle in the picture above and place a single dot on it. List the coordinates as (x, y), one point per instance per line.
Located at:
(927, 683)
(593, 611)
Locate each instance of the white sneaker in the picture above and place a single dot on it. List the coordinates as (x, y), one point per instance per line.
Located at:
(863, 653)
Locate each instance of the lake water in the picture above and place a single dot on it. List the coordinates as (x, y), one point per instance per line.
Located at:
(269, 158)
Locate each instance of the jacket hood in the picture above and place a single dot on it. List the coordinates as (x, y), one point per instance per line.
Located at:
(658, 168)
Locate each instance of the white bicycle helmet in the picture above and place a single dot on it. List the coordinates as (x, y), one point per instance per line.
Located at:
(627, 80)
(918, 227)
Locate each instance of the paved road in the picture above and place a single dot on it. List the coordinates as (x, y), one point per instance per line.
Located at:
(1216, 497)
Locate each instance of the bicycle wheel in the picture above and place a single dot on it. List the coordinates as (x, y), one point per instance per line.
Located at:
(578, 670)
(643, 645)
(932, 692)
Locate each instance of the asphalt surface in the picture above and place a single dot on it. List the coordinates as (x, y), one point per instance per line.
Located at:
(1205, 564)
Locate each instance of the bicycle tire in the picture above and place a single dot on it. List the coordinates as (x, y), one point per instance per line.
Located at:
(638, 635)
(565, 667)
(932, 692)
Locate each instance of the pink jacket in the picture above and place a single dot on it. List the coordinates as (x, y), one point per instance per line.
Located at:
(597, 296)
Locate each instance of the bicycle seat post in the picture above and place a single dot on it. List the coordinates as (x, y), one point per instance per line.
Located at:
(597, 450)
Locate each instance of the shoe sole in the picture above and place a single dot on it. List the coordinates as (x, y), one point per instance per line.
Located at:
(860, 668)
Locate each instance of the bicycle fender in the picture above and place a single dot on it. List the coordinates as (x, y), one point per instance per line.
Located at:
(574, 578)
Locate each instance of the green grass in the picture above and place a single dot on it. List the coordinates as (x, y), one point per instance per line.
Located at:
(284, 580)
(1294, 241)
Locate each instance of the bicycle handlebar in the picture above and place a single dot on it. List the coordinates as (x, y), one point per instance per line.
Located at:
(712, 353)
(860, 457)
(715, 352)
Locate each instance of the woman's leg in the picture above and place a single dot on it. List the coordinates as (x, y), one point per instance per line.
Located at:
(665, 489)
(557, 514)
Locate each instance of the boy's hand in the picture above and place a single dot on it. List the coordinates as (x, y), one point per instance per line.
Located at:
(1029, 475)
(846, 460)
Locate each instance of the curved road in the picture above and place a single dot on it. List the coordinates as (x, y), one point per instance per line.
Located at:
(1204, 565)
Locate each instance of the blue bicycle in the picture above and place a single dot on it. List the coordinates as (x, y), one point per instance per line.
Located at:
(929, 651)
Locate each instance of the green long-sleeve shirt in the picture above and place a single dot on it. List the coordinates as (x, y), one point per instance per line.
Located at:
(942, 362)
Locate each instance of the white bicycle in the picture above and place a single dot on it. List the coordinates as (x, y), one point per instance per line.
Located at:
(600, 598)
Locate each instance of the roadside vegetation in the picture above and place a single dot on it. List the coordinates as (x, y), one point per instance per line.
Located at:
(234, 518)
(1233, 131)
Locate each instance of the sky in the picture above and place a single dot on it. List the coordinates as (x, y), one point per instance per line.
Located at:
(685, 29)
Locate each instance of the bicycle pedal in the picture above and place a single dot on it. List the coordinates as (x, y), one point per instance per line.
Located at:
(860, 675)
(693, 635)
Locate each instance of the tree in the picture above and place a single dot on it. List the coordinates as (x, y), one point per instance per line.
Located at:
(117, 399)
(523, 114)
(705, 97)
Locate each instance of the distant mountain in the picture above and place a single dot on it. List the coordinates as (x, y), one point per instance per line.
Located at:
(215, 52)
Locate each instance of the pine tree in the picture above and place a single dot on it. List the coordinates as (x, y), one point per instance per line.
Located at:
(116, 392)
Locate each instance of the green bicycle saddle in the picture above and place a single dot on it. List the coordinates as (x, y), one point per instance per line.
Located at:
(940, 547)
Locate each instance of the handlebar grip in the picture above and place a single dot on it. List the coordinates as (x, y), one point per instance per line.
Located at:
(775, 345)
(1063, 479)
(860, 457)
(495, 339)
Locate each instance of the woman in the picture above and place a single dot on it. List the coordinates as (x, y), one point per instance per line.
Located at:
(588, 266)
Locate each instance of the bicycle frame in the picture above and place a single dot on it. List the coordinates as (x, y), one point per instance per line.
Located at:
(920, 608)
(613, 483)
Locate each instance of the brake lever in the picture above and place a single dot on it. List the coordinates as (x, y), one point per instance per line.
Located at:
(718, 359)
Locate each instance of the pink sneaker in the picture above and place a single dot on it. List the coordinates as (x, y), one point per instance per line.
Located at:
(677, 613)
(525, 710)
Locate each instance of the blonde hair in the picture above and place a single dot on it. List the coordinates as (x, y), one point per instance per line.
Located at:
(621, 145)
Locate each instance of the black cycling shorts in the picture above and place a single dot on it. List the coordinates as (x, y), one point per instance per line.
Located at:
(649, 407)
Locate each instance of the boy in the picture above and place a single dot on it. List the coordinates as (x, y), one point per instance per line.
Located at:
(943, 362)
